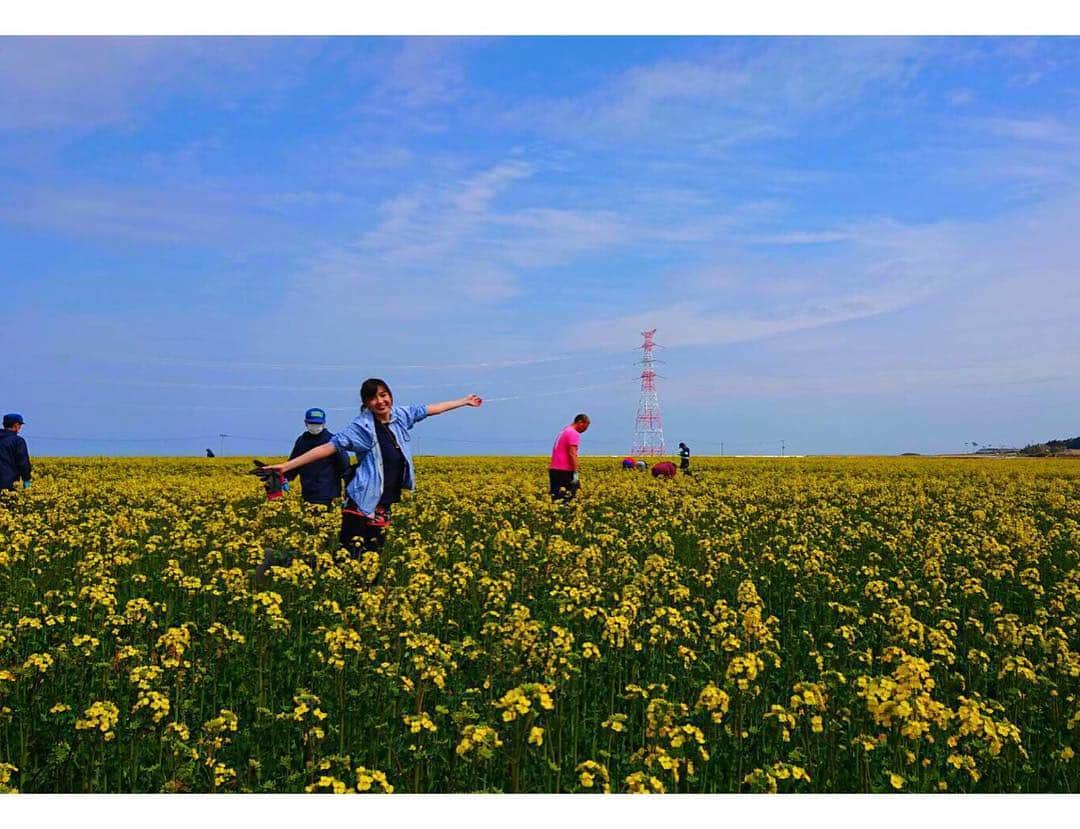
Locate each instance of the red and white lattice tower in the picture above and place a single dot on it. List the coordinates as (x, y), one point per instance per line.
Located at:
(648, 425)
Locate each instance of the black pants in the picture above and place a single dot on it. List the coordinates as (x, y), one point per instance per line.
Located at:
(561, 485)
(358, 532)
(358, 535)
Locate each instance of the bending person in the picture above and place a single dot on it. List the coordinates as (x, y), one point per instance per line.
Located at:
(664, 469)
(379, 436)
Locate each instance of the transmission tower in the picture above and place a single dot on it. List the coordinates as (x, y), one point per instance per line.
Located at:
(648, 425)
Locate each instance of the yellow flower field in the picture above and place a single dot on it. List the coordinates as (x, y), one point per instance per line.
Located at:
(805, 625)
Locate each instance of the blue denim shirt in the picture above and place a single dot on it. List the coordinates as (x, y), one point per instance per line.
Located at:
(359, 437)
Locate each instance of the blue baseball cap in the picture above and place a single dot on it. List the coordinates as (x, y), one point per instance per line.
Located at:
(12, 418)
(314, 416)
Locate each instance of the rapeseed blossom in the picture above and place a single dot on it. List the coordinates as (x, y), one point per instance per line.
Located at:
(822, 625)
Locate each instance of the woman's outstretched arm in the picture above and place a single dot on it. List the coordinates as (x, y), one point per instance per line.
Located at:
(318, 453)
(449, 405)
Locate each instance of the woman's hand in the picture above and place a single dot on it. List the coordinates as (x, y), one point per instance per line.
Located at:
(279, 468)
(472, 400)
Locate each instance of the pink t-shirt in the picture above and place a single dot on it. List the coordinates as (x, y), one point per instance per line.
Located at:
(560, 453)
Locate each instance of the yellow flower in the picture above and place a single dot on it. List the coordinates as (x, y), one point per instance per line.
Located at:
(6, 771)
(419, 722)
(100, 716)
(40, 662)
(588, 772)
(616, 723)
(937, 583)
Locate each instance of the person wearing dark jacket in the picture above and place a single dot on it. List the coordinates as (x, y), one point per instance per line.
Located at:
(320, 482)
(14, 456)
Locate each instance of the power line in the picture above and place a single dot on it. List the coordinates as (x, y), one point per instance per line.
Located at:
(350, 407)
(484, 365)
(738, 444)
(558, 391)
(420, 438)
(34, 437)
(339, 387)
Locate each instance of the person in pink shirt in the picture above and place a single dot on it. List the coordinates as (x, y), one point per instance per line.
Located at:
(563, 469)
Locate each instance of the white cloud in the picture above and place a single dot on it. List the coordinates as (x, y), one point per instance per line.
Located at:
(86, 82)
(948, 312)
(200, 215)
(552, 236)
(487, 285)
(800, 238)
(879, 267)
(367, 156)
(729, 95)
(134, 215)
(1026, 79)
(866, 381)
(1047, 129)
(642, 90)
(961, 97)
(477, 193)
(694, 323)
(460, 228)
(425, 71)
(429, 225)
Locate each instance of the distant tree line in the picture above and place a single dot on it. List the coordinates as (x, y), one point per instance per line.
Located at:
(1052, 447)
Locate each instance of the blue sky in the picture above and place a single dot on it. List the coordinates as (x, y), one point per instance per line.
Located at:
(853, 245)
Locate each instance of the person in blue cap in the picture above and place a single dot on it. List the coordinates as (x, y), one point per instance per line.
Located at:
(14, 456)
(320, 482)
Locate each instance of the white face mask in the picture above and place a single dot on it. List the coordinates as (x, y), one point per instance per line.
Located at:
(315, 428)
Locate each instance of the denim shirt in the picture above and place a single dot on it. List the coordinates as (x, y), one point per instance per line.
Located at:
(359, 437)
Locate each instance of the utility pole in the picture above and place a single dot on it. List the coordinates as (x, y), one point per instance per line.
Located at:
(222, 435)
(721, 449)
(782, 447)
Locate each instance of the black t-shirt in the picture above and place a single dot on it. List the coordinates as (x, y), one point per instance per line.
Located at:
(393, 462)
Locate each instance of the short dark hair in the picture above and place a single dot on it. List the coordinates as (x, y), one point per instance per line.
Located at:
(581, 418)
(371, 387)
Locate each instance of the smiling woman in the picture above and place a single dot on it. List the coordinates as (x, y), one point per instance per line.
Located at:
(379, 436)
